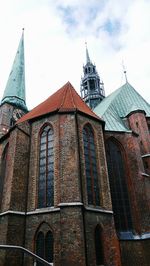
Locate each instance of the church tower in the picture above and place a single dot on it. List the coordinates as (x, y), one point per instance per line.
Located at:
(92, 88)
(13, 104)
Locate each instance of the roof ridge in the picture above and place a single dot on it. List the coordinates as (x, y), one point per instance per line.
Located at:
(72, 95)
(63, 98)
(66, 99)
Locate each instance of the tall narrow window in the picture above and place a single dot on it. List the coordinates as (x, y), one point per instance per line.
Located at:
(91, 166)
(3, 171)
(44, 246)
(118, 186)
(49, 246)
(46, 168)
(99, 246)
(40, 247)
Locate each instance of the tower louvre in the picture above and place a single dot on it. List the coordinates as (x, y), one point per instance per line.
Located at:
(92, 88)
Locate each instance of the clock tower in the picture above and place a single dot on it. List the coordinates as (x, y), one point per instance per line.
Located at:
(13, 104)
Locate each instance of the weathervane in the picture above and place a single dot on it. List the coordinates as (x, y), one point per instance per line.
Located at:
(124, 70)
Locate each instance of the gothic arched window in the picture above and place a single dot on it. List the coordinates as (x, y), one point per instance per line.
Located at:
(40, 246)
(44, 246)
(118, 186)
(99, 246)
(91, 166)
(46, 168)
(49, 246)
(3, 171)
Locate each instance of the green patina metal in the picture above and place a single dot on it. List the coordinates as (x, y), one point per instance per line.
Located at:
(115, 108)
(15, 89)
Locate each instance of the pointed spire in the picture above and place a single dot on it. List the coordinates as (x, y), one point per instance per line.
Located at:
(15, 88)
(91, 88)
(87, 55)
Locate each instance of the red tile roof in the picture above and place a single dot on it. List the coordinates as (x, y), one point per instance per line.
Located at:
(66, 99)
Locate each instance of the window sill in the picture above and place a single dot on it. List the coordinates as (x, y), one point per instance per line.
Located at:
(130, 236)
(43, 210)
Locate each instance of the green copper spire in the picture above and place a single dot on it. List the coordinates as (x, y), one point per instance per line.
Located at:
(15, 89)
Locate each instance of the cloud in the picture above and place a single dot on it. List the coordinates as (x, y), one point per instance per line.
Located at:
(55, 33)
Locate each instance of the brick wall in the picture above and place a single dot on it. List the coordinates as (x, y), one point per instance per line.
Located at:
(135, 253)
(137, 190)
(109, 239)
(12, 225)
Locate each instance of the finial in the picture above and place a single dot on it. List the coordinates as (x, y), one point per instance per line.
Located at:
(87, 54)
(124, 71)
(22, 32)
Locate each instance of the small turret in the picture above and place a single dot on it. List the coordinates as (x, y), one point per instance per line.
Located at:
(92, 88)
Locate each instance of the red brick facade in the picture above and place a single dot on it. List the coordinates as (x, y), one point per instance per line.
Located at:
(72, 220)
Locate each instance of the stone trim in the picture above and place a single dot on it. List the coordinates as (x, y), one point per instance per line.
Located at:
(37, 211)
(144, 174)
(12, 212)
(130, 236)
(98, 210)
(146, 155)
(43, 210)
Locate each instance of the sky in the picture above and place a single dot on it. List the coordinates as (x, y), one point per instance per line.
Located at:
(117, 33)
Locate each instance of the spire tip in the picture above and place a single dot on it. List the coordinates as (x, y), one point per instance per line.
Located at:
(87, 54)
(124, 71)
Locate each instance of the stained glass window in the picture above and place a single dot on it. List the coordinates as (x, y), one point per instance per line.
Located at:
(118, 186)
(91, 166)
(99, 246)
(46, 168)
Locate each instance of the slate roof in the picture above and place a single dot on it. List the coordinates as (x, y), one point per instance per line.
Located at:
(66, 99)
(15, 88)
(118, 105)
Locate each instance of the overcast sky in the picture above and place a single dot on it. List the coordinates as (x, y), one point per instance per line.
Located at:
(55, 35)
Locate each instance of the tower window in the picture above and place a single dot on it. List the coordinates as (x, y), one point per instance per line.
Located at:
(99, 246)
(4, 161)
(91, 166)
(118, 187)
(46, 168)
(92, 84)
(145, 165)
(149, 128)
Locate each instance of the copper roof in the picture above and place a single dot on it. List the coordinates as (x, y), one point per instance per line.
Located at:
(118, 105)
(66, 99)
(15, 88)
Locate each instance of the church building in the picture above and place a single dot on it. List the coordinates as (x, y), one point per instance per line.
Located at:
(74, 174)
